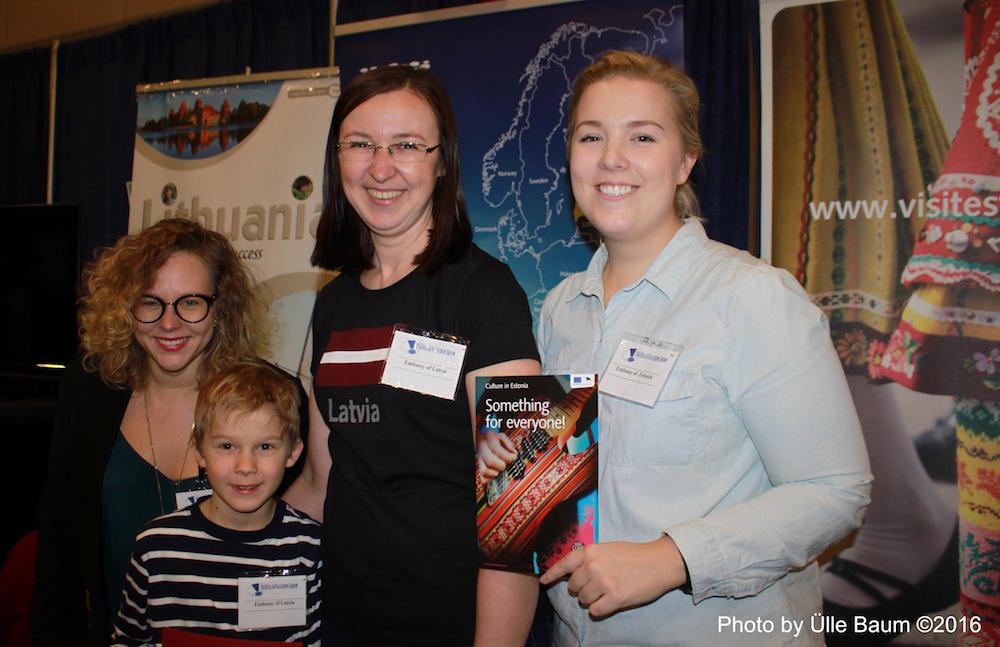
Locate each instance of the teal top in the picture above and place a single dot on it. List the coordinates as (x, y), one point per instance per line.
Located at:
(128, 502)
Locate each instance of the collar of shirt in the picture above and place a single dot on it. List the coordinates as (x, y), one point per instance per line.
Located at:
(666, 271)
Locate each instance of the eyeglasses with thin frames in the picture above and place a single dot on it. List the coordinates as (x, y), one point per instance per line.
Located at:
(191, 308)
(362, 151)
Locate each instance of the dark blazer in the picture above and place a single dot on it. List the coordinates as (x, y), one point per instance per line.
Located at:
(68, 608)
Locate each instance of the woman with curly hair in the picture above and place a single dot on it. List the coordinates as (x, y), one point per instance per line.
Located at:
(164, 310)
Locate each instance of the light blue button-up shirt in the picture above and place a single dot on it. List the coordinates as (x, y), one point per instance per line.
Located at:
(752, 458)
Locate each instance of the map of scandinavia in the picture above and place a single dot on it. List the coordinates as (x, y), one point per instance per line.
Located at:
(508, 75)
(530, 223)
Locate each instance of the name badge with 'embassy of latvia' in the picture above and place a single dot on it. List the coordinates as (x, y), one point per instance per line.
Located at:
(424, 362)
(267, 602)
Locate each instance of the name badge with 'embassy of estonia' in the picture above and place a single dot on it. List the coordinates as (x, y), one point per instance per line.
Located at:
(424, 362)
(266, 602)
(639, 368)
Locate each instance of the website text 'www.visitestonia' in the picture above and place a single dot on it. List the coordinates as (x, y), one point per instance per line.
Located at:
(919, 207)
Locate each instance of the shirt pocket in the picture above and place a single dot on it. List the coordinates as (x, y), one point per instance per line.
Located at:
(660, 435)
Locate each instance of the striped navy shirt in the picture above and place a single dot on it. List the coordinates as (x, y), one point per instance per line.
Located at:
(184, 573)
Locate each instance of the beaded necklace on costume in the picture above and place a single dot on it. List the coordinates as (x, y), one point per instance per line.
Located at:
(152, 451)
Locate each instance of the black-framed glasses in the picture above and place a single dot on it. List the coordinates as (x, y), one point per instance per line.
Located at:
(191, 308)
(361, 151)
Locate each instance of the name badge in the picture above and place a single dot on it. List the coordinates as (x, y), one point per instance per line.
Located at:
(187, 498)
(267, 602)
(639, 368)
(424, 362)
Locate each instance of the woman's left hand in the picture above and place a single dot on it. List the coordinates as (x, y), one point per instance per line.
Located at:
(610, 577)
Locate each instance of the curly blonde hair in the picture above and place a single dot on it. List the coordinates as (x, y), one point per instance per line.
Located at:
(683, 95)
(121, 274)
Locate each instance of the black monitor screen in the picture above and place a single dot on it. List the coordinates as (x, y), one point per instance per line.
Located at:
(40, 275)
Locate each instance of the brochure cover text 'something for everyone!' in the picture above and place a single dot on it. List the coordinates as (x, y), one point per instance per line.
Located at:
(544, 503)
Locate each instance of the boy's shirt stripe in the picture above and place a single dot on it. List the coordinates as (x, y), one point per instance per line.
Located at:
(185, 571)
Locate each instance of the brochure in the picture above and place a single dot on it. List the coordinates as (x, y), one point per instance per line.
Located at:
(544, 503)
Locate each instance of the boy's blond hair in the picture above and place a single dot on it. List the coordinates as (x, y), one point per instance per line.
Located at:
(245, 388)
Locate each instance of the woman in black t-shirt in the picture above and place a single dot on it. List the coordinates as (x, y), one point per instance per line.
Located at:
(401, 564)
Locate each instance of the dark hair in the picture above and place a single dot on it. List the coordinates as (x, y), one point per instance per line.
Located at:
(121, 274)
(343, 242)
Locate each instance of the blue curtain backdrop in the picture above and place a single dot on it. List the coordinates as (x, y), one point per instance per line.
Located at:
(95, 115)
(24, 126)
(721, 53)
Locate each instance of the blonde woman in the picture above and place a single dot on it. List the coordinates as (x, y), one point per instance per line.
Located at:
(165, 309)
(742, 459)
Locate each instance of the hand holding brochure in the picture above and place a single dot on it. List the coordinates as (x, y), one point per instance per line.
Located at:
(544, 503)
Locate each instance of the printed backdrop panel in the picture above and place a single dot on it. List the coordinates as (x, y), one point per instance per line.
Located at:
(245, 159)
(508, 75)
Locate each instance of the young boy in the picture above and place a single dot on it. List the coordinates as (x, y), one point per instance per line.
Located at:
(239, 563)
